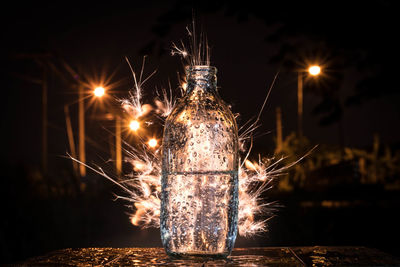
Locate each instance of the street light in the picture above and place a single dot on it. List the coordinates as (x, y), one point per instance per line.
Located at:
(152, 143)
(99, 91)
(313, 70)
(82, 86)
(134, 125)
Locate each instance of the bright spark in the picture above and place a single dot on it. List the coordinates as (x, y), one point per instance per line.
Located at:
(99, 91)
(134, 125)
(184, 86)
(165, 104)
(134, 105)
(314, 70)
(152, 143)
(199, 50)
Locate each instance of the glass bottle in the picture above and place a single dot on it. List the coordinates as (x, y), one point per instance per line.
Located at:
(199, 199)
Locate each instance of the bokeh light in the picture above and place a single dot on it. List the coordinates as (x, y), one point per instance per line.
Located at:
(99, 91)
(134, 125)
(314, 70)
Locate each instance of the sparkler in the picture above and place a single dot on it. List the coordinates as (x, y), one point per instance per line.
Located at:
(143, 186)
(165, 103)
(134, 105)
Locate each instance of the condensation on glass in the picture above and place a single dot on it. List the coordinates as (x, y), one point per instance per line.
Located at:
(199, 201)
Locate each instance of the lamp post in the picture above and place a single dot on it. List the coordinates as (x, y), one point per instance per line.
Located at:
(44, 119)
(118, 151)
(98, 93)
(71, 141)
(279, 140)
(313, 70)
(82, 154)
(134, 125)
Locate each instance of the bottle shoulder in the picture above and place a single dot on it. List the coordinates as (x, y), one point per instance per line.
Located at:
(206, 109)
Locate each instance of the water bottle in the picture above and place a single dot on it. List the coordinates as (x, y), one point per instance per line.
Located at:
(199, 195)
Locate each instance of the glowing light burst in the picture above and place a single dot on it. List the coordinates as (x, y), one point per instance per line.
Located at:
(314, 70)
(164, 102)
(99, 91)
(134, 125)
(199, 50)
(152, 143)
(133, 105)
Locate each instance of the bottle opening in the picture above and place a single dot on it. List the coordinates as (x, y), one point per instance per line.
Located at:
(202, 68)
(201, 76)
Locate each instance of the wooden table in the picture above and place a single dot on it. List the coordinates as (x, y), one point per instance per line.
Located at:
(266, 256)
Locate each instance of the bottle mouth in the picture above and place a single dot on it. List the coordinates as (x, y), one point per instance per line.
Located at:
(202, 68)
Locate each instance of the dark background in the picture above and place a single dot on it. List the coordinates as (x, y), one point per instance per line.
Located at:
(355, 99)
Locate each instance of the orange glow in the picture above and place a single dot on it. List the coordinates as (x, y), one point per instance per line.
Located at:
(184, 86)
(314, 70)
(99, 91)
(251, 166)
(152, 143)
(138, 166)
(134, 125)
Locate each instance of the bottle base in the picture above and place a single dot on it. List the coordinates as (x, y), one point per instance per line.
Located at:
(198, 255)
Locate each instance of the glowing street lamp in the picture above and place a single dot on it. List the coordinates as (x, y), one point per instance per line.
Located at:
(314, 70)
(134, 125)
(99, 91)
(152, 143)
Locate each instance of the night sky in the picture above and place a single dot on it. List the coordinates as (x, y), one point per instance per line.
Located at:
(355, 43)
(356, 97)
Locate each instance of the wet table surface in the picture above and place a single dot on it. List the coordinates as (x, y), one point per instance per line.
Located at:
(266, 256)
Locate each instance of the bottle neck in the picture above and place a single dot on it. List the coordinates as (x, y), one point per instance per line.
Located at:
(201, 79)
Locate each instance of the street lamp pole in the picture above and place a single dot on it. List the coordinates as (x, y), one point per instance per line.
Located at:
(313, 70)
(118, 152)
(70, 138)
(279, 140)
(82, 155)
(100, 92)
(300, 103)
(44, 119)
